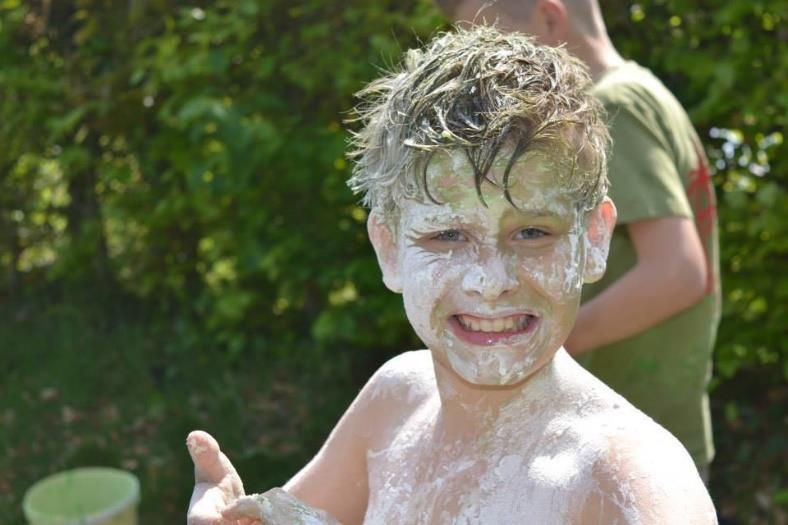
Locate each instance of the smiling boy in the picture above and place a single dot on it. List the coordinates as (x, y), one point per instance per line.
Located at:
(483, 163)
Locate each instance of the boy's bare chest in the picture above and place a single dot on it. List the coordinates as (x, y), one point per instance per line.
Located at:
(500, 478)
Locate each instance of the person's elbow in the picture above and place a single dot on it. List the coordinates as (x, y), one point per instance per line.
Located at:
(671, 254)
(690, 275)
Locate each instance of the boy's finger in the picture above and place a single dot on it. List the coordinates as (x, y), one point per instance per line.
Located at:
(210, 465)
(204, 508)
(205, 502)
(245, 508)
(275, 506)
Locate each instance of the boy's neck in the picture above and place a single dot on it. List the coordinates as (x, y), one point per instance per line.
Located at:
(467, 409)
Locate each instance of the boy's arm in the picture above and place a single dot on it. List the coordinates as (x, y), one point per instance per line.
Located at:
(669, 276)
(336, 478)
(332, 485)
(334, 481)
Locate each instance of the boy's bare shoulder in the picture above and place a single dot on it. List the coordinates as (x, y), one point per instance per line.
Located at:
(642, 473)
(399, 386)
(408, 378)
(647, 477)
(638, 472)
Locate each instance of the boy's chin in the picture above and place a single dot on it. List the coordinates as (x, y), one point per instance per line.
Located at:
(493, 381)
(494, 367)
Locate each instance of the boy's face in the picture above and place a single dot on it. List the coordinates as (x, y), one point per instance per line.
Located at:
(492, 291)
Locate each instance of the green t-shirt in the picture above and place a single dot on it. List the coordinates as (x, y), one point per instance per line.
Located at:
(658, 169)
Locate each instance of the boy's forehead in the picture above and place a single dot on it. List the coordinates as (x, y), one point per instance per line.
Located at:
(534, 182)
(535, 190)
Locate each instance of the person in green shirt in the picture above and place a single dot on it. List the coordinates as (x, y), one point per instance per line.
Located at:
(647, 329)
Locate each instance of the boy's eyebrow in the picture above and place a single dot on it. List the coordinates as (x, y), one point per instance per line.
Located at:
(448, 219)
(436, 217)
(538, 212)
(533, 212)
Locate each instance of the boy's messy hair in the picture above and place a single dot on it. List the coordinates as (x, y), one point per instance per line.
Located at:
(481, 91)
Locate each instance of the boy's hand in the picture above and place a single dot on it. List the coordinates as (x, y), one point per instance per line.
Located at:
(216, 483)
(276, 507)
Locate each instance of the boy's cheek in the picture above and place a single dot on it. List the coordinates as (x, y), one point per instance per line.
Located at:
(427, 292)
(425, 277)
(558, 276)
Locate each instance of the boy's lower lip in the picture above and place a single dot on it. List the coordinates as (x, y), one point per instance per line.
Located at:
(479, 338)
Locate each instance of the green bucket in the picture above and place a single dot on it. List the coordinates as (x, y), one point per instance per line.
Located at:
(84, 496)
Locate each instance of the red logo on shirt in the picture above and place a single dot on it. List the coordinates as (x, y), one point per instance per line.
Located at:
(700, 193)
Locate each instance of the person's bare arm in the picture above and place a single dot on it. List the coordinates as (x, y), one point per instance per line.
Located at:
(669, 276)
(332, 485)
(218, 497)
(336, 478)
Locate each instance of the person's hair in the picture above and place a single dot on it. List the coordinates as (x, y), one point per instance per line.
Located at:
(479, 91)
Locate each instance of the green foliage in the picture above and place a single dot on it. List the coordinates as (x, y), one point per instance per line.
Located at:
(191, 158)
(194, 156)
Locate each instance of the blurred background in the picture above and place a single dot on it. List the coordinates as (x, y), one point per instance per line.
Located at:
(178, 248)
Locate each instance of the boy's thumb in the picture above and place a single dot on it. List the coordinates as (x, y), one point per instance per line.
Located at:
(210, 465)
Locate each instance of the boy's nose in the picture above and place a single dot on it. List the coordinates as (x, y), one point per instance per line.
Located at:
(489, 278)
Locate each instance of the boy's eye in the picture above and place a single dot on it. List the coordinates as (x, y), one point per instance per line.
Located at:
(530, 234)
(449, 236)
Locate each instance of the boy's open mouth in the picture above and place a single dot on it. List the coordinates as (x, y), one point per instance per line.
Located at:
(491, 331)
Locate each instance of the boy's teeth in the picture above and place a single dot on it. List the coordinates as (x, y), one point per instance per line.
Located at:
(499, 324)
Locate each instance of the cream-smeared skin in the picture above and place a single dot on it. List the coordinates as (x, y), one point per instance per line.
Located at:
(493, 261)
(565, 449)
(275, 507)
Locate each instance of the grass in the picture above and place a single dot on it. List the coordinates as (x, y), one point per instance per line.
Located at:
(79, 389)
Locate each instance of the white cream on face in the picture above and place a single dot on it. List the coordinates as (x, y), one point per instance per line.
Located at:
(462, 258)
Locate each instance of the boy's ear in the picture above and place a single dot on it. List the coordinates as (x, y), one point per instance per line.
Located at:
(599, 229)
(382, 239)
